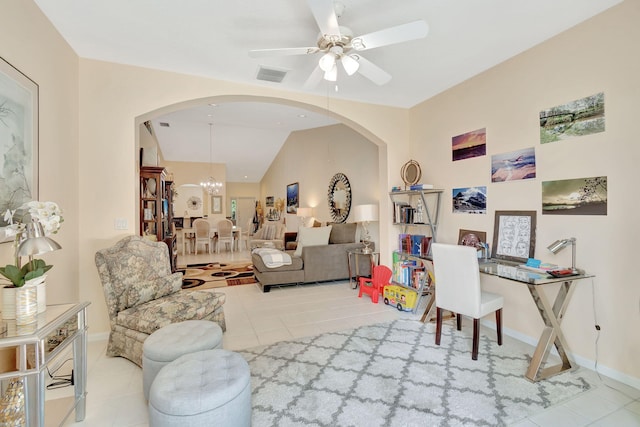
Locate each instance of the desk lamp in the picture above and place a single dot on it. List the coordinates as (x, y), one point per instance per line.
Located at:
(365, 214)
(558, 245)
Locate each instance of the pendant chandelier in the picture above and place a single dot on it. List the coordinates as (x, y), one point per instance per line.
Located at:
(211, 186)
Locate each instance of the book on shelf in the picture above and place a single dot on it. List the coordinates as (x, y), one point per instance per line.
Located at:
(421, 187)
(414, 244)
(398, 211)
(408, 273)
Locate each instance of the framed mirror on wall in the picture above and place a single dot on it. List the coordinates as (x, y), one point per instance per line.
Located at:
(339, 197)
(411, 173)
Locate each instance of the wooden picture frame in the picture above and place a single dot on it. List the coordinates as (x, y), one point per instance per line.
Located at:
(472, 238)
(269, 201)
(293, 198)
(18, 139)
(514, 235)
(216, 204)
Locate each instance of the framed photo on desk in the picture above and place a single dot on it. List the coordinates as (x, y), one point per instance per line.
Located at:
(514, 235)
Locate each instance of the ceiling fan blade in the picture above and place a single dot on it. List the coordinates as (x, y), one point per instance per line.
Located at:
(314, 78)
(392, 35)
(371, 70)
(262, 53)
(325, 16)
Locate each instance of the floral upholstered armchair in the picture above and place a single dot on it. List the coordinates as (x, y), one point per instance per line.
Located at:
(142, 295)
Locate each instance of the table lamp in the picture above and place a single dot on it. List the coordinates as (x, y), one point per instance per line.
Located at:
(365, 214)
(558, 245)
(304, 213)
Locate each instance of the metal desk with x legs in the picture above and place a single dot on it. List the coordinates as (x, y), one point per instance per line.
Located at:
(551, 314)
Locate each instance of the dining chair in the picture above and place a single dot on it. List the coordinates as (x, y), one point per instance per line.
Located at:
(246, 234)
(202, 230)
(457, 287)
(225, 234)
(374, 286)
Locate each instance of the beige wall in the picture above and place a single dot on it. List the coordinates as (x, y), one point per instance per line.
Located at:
(116, 98)
(90, 113)
(30, 44)
(598, 56)
(312, 157)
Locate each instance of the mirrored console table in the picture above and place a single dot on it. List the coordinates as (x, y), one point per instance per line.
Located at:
(37, 346)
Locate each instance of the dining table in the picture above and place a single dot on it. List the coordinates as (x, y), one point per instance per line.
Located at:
(213, 232)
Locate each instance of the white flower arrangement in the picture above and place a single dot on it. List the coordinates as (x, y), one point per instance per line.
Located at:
(49, 215)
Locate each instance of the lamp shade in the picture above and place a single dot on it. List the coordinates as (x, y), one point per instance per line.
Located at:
(558, 245)
(365, 213)
(36, 242)
(304, 212)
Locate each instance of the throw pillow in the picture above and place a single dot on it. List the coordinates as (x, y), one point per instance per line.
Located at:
(150, 290)
(269, 232)
(343, 233)
(312, 236)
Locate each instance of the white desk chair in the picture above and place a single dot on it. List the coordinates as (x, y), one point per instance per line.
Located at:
(225, 234)
(458, 290)
(202, 230)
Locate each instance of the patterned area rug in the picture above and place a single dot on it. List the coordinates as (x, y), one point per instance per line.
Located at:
(393, 374)
(217, 275)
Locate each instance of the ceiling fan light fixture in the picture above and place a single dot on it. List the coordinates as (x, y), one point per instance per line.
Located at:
(327, 62)
(350, 64)
(332, 74)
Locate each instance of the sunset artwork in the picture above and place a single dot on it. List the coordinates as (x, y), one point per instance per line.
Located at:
(519, 164)
(469, 145)
(581, 196)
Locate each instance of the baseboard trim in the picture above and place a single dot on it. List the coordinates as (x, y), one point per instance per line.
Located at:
(580, 360)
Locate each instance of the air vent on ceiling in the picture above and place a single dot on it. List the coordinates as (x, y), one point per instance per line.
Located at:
(164, 124)
(271, 74)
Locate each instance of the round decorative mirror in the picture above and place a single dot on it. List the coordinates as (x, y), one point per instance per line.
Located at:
(411, 172)
(194, 203)
(339, 197)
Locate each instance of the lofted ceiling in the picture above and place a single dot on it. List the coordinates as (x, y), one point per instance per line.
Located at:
(212, 38)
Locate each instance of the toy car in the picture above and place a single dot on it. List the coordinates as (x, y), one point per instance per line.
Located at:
(402, 298)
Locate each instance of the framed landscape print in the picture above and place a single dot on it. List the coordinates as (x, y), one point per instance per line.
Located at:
(18, 140)
(216, 204)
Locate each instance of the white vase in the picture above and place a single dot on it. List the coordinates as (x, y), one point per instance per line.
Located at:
(26, 305)
(41, 291)
(9, 302)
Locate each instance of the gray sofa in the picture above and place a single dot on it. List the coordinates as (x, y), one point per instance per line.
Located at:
(316, 263)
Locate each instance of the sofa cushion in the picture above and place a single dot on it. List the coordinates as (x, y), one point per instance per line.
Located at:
(343, 233)
(152, 289)
(177, 307)
(312, 237)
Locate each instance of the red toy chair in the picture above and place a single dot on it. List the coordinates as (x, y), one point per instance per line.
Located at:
(375, 285)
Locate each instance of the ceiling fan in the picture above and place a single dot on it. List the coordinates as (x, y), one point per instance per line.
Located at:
(338, 44)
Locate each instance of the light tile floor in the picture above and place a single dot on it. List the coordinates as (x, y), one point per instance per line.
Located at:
(254, 318)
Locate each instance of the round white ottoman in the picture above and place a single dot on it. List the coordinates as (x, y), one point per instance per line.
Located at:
(172, 341)
(207, 388)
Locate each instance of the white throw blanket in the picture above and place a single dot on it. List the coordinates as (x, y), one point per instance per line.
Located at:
(273, 258)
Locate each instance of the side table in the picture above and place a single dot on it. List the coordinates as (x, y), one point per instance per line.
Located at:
(38, 345)
(374, 258)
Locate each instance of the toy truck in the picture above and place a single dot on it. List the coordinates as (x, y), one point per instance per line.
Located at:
(402, 298)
